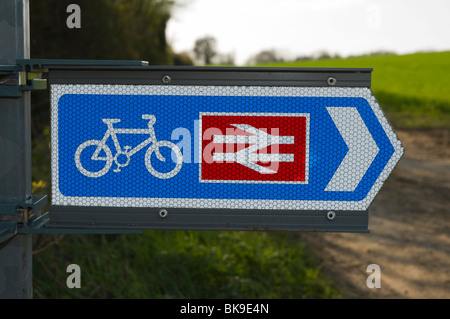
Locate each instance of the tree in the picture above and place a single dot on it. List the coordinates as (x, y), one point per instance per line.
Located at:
(265, 56)
(205, 49)
(225, 59)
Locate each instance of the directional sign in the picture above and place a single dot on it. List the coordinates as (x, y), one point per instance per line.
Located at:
(257, 152)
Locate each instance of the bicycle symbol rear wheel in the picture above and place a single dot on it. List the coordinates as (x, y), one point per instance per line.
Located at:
(175, 150)
(108, 158)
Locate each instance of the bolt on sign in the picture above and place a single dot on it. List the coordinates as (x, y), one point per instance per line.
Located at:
(217, 148)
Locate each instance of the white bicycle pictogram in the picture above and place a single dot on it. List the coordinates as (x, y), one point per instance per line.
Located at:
(122, 157)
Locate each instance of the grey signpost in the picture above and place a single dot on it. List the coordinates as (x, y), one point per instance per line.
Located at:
(15, 154)
(206, 148)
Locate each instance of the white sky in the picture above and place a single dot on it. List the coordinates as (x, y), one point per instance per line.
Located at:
(302, 27)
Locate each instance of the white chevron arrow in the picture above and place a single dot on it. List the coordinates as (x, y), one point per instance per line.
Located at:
(362, 149)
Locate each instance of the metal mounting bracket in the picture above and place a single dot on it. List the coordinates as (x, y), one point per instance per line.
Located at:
(25, 218)
(28, 74)
(15, 214)
(38, 224)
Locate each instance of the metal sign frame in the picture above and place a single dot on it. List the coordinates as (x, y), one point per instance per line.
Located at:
(136, 218)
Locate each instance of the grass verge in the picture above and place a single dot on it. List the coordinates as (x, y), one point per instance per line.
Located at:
(182, 264)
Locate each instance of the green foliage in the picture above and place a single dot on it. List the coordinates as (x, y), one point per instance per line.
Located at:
(182, 59)
(117, 30)
(182, 264)
(412, 89)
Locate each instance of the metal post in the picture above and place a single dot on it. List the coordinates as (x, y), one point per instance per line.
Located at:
(15, 151)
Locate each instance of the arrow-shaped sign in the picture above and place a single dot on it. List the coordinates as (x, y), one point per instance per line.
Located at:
(248, 156)
(362, 149)
(274, 148)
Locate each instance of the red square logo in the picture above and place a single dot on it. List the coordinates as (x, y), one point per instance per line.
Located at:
(254, 147)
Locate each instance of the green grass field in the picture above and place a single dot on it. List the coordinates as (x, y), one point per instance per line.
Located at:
(412, 89)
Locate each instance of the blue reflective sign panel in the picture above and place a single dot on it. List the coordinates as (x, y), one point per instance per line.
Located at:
(285, 148)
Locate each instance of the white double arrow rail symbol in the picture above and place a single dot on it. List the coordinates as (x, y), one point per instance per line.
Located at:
(248, 156)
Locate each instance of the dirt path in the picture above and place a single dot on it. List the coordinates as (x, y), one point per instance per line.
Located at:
(409, 224)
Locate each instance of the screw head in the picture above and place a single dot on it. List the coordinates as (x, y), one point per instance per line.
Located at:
(331, 81)
(166, 79)
(163, 213)
(331, 215)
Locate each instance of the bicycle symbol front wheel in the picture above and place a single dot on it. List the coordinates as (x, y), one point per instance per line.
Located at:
(155, 147)
(94, 171)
